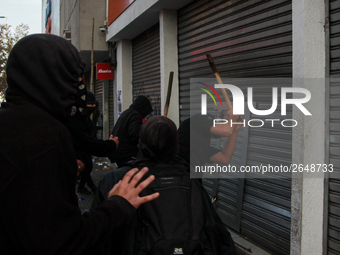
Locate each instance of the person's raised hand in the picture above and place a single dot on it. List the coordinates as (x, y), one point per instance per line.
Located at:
(128, 188)
(233, 117)
(238, 126)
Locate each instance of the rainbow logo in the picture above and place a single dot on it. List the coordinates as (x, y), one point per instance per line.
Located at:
(213, 90)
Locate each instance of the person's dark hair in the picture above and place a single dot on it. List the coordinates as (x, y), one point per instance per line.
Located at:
(158, 141)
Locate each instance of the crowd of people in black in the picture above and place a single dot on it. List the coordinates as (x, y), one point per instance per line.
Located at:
(148, 205)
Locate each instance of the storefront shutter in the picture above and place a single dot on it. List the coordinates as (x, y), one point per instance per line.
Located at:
(146, 67)
(246, 39)
(98, 93)
(333, 240)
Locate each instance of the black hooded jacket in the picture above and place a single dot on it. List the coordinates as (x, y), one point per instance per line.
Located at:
(84, 133)
(128, 128)
(39, 211)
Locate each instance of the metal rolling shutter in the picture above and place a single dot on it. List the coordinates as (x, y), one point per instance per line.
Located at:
(98, 92)
(146, 67)
(111, 106)
(334, 131)
(246, 39)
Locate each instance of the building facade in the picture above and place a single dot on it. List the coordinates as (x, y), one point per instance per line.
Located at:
(75, 20)
(145, 40)
(247, 39)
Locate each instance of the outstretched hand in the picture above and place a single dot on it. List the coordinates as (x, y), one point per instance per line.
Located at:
(127, 188)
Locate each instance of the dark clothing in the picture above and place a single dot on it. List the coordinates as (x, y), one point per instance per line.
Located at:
(128, 128)
(182, 214)
(194, 133)
(82, 130)
(180, 220)
(158, 140)
(109, 180)
(85, 141)
(45, 71)
(86, 144)
(39, 210)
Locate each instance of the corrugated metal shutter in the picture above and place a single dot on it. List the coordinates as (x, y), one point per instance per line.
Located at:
(111, 106)
(246, 39)
(98, 92)
(334, 131)
(146, 67)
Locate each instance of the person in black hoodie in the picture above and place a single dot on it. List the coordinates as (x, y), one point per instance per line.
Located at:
(128, 128)
(86, 144)
(182, 220)
(39, 208)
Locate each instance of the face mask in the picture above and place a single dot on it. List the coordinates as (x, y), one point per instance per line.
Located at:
(80, 99)
(88, 110)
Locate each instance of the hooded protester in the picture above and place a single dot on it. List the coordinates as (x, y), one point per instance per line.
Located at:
(172, 222)
(86, 144)
(128, 128)
(39, 210)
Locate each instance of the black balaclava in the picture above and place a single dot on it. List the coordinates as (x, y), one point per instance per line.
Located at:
(44, 69)
(142, 105)
(158, 140)
(90, 99)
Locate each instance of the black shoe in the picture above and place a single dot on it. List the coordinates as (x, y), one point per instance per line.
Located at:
(83, 190)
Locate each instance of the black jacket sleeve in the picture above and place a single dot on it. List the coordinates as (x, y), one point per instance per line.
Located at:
(83, 141)
(42, 216)
(135, 125)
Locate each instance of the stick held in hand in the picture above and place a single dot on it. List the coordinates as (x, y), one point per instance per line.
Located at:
(219, 80)
(168, 96)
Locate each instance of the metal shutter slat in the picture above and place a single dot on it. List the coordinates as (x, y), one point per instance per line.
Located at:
(146, 67)
(246, 39)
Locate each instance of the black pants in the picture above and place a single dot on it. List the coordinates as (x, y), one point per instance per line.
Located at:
(86, 174)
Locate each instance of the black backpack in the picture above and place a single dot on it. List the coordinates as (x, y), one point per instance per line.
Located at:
(182, 221)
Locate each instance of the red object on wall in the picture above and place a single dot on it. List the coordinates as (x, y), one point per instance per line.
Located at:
(48, 27)
(104, 71)
(116, 7)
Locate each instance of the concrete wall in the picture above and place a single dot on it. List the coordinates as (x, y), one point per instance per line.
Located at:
(309, 69)
(69, 19)
(169, 61)
(77, 16)
(90, 9)
(123, 75)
